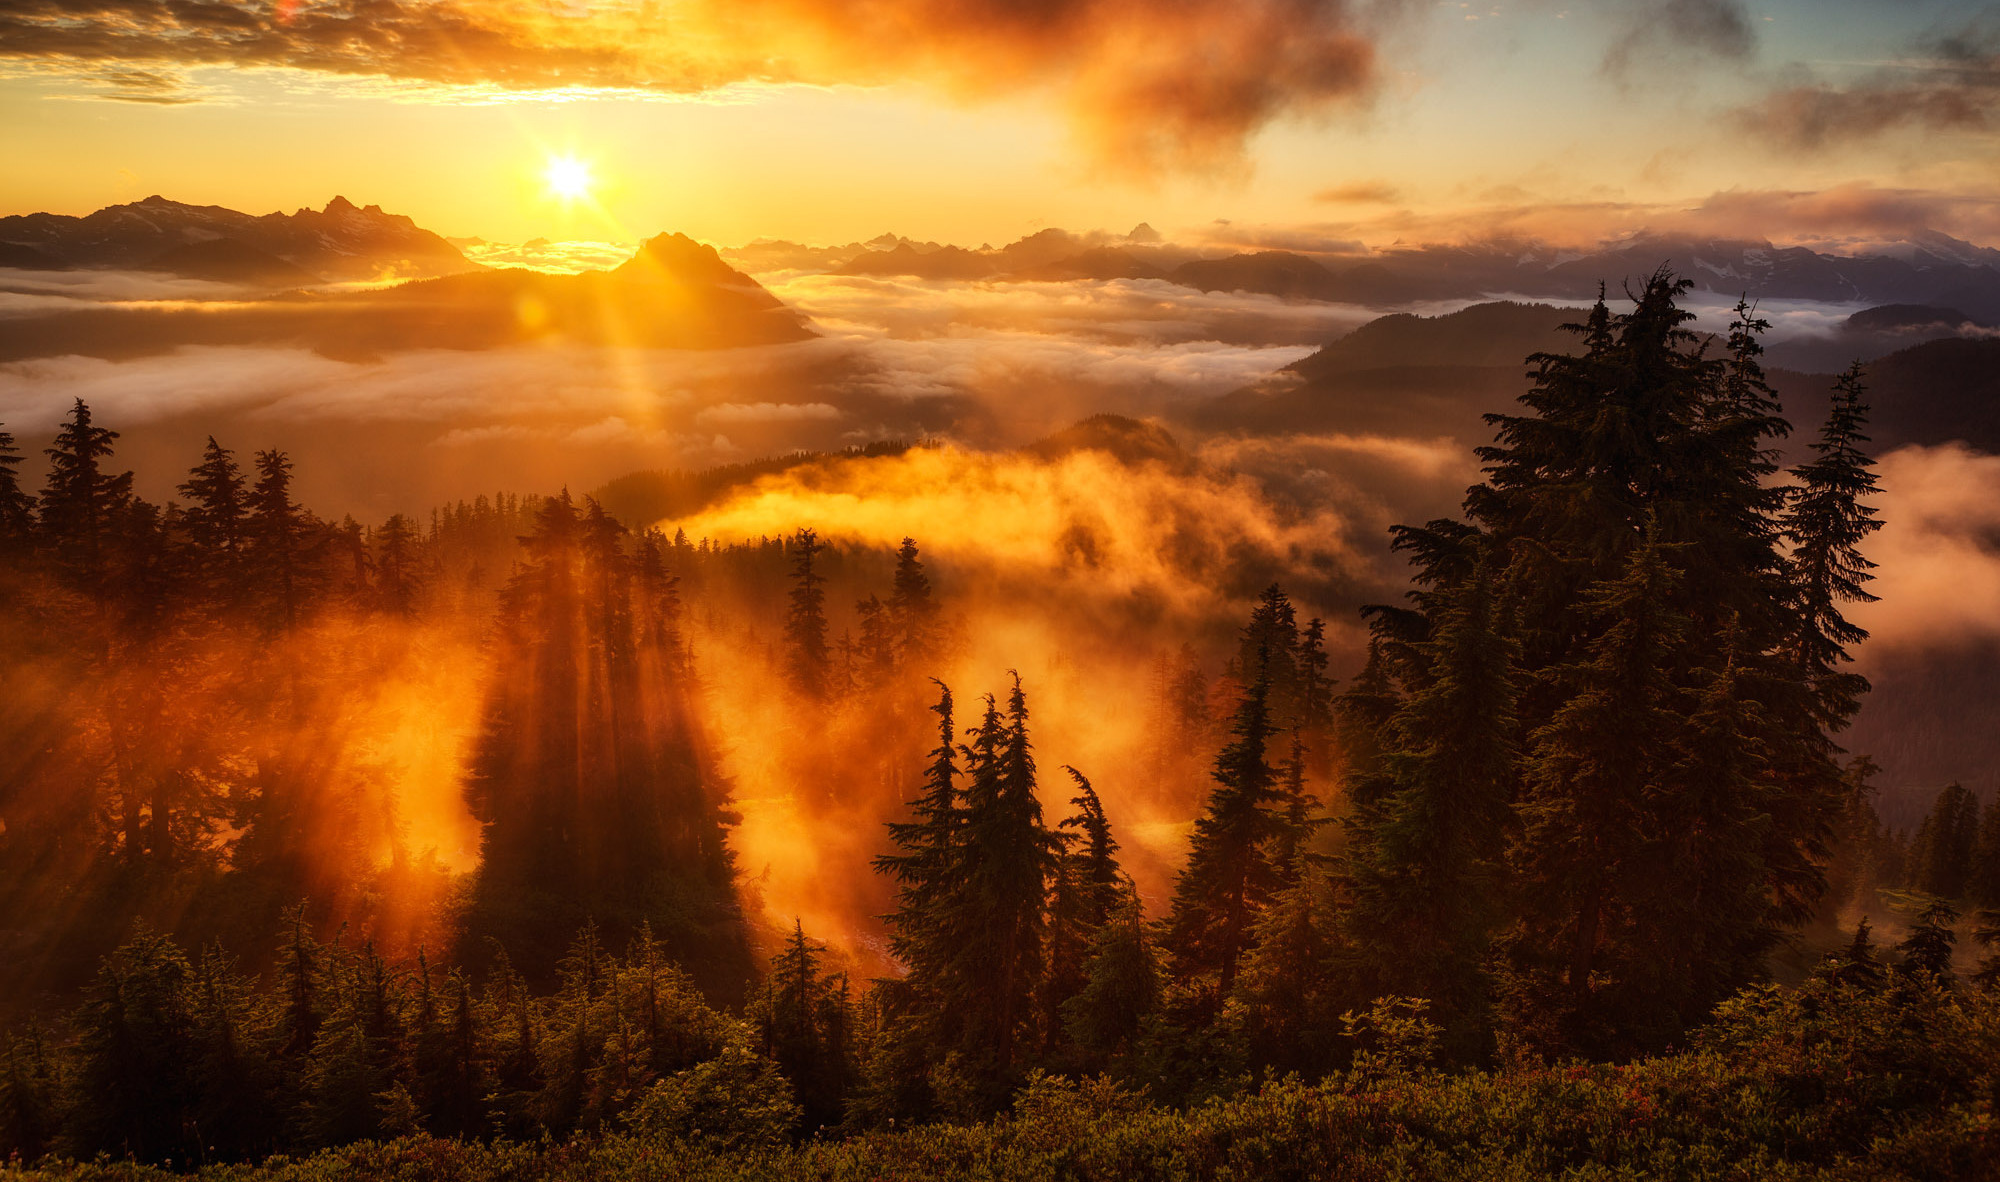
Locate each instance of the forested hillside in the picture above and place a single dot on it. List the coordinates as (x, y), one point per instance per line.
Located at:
(320, 833)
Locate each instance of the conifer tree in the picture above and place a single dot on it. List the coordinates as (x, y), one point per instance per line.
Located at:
(281, 543)
(136, 1053)
(1106, 1020)
(1926, 952)
(1088, 887)
(912, 612)
(81, 505)
(1010, 859)
(1228, 876)
(877, 646)
(1283, 995)
(1425, 860)
(806, 655)
(1943, 852)
(928, 866)
(216, 520)
(395, 564)
(1982, 885)
(1857, 965)
(805, 1025)
(17, 508)
(1826, 523)
(1630, 521)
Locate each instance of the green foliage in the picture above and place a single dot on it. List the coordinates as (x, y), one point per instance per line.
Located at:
(1825, 1082)
(733, 1102)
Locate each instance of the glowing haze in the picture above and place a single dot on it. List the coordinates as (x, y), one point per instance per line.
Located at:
(975, 120)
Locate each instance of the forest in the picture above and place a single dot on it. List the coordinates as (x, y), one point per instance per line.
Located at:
(1571, 876)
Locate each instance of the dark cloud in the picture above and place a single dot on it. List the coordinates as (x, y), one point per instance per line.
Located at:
(1673, 29)
(1359, 193)
(1182, 83)
(1949, 83)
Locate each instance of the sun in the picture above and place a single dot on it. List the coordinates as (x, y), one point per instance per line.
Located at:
(569, 178)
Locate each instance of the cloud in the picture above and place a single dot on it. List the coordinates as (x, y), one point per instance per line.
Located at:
(1659, 35)
(1949, 83)
(1836, 217)
(1359, 193)
(768, 412)
(1938, 554)
(1179, 85)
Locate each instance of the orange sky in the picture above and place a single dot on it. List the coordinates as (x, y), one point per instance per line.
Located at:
(982, 120)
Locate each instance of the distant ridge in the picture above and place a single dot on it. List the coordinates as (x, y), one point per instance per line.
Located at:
(674, 293)
(1931, 270)
(343, 241)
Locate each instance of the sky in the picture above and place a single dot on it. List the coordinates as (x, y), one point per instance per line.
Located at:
(982, 120)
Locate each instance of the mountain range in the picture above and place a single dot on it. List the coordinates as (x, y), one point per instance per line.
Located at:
(672, 293)
(276, 250)
(1405, 374)
(1931, 269)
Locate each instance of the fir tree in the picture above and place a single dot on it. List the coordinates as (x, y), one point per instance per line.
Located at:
(1106, 1019)
(216, 519)
(17, 508)
(1826, 523)
(1228, 876)
(912, 613)
(1943, 853)
(281, 543)
(81, 505)
(1426, 859)
(395, 563)
(806, 655)
(1926, 952)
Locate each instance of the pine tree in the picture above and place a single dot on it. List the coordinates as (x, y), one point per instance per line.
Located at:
(1282, 998)
(1425, 865)
(877, 647)
(395, 562)
(136, 1053)
(1088, 888)
(1944, 851)
(928, 866)
(81, 505)
(807, 658)
(1926, 952)
(1982, 884)
(1857, 965)
(1106, 1019)
(1679, 785)
(282, 547)
(216, 520)
(1826, 523)
(804, 1025)
(17, 508)
(1010, 859)
(912, 613)
(1228, 876)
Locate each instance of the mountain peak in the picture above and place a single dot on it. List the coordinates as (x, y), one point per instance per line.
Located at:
(340, 204)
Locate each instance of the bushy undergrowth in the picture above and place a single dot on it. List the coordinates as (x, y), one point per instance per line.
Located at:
(1891, 1078)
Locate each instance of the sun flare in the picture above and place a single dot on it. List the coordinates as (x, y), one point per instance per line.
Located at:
(569, 178)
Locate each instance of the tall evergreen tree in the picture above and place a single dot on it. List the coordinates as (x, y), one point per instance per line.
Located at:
(82, 504)
(1826, 523)
(216, 520)
(1425, 861)
(806, 654)
(281, 542)
(17, 508)
(912, 612)
(1228, 876)
(1630, 520)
